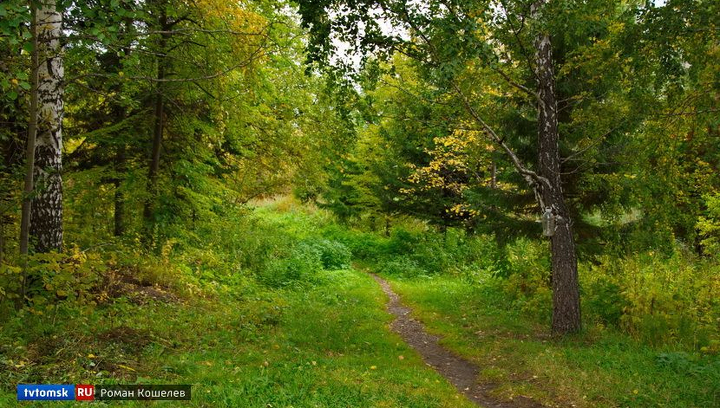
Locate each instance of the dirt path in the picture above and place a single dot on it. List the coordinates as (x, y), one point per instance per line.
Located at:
(460, 372)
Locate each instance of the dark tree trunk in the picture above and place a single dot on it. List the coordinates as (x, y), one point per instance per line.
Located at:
(154, 167)
(46, 226)
(566, 295)
(493, 175)
(159, 116)
(119, 217)
(2, 239)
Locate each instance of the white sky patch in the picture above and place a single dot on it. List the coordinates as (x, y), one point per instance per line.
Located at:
(346, 52)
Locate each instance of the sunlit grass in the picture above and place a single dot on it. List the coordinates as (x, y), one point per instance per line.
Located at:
(323, 346)
(593, 369)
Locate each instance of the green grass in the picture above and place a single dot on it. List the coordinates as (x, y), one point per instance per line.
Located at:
(325, 345)
(594, 369)
(253, 318)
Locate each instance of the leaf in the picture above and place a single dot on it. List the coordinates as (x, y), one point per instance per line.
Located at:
(127, 368)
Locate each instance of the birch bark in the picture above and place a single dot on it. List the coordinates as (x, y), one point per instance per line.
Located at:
(46, 226)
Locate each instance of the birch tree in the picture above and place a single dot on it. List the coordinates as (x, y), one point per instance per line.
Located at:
(46, 227)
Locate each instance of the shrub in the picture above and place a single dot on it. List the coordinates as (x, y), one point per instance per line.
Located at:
(603, 300)
(528, 280)
(302, 264)
(402, 266)
(362, 245)
(402, 242)
(709, 226)
(656, 299)
(334, 254)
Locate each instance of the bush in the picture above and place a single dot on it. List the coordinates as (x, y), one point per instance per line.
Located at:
(709, 226)
(656, 299)
(302, 264)
(334, 254)
(70, 278)
(528, 277)
(362, 245)
(403, 242)
(603, 300)
(402, 266)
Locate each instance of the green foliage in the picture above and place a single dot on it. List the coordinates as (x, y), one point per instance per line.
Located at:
(410, 251)
(333, 254)
(656, 299)
(302, 264)
(232, 322)
(709, 226)
(364, 246)
(70, 279)
(403, 267)
(603, 299)
(393, 149)
(528, 280)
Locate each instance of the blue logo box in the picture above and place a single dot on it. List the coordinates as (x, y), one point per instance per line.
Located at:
(45, 392)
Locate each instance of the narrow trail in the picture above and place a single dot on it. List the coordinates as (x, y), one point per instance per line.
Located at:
(460, 372)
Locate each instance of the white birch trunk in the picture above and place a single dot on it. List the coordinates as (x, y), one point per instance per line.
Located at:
(46, 226)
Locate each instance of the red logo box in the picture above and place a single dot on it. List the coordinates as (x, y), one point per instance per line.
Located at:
(84, 392)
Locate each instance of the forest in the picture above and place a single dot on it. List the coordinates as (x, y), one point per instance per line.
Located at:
(362, 203)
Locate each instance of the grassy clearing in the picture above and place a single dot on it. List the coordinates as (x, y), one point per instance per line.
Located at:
(267, 313)
(595, 369)
(324, 345)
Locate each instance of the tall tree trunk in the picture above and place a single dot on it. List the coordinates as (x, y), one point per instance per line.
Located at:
(159, 116)
(566, 294)
(493, 175)
(46, 220)
(119, 216)
(2, 238)
(30, 146)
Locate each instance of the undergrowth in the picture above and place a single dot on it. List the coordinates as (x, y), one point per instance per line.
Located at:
(241, 305)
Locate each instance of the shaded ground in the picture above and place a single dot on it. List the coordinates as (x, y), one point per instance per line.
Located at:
(461, 373)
